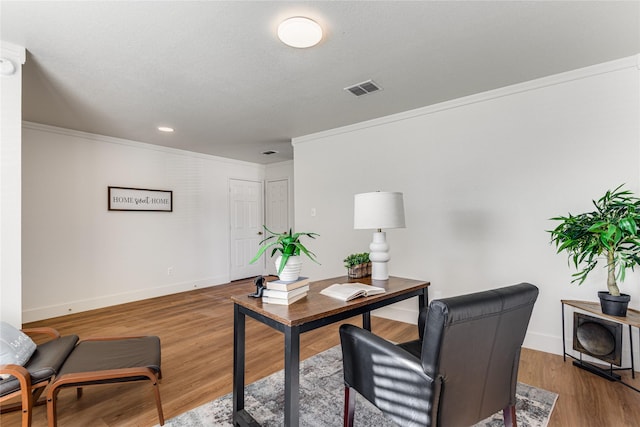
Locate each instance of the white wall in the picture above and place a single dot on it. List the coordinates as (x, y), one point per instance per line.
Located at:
(481, 177)
(77, 255)
(10, 164)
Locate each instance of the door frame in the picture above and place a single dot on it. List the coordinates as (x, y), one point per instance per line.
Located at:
(272, 270)
(262, 261)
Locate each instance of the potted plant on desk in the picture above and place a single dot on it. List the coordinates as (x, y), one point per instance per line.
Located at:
(358, 265)
(610, 232)
(289, 246)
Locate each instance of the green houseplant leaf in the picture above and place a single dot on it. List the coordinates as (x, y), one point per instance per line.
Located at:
(287, 243)
(609, 232)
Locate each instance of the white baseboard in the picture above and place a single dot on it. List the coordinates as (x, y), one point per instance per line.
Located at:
(47, 312)
(542, 342)
(397, 313)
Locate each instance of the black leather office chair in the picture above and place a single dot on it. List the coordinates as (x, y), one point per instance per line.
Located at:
(463, 369)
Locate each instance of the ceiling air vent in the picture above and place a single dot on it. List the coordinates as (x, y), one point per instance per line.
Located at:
(363, 88)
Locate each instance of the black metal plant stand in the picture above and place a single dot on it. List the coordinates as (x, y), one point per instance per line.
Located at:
(632, 320)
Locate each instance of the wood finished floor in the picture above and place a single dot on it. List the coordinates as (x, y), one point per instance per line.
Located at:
(196, 331)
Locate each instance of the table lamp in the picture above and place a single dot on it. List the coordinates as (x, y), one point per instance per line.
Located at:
(376, 211)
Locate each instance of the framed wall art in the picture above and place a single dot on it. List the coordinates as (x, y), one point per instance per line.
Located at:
(140, 199)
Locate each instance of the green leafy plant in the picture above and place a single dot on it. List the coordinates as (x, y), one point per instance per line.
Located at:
(287, 243)
(609, 232)
(356, 259)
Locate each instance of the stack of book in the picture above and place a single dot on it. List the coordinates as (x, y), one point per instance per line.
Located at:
(285, 293)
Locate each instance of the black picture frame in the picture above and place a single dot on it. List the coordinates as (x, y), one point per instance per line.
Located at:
(139, 199)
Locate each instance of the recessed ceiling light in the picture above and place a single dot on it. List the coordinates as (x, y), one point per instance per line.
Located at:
(300, 32)
(165, 129)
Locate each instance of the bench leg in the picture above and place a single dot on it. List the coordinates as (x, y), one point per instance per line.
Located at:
(79, 379)
(156, 392)
(52, 396)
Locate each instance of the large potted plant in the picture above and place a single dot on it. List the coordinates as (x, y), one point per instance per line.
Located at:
(289, 246)
(609, 233)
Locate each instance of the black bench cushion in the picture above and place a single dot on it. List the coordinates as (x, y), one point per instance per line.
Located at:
(102, 355)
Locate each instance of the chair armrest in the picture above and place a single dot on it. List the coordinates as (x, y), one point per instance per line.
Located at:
(52, 333)
(21, 374)
(15, 370)
(372, 364)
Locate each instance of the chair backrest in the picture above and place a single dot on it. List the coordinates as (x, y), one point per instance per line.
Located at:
(471, 347)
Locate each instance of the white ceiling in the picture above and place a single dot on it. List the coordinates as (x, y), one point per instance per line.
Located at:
(216, 72)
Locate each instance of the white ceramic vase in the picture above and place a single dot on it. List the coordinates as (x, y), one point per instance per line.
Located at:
(291, 270)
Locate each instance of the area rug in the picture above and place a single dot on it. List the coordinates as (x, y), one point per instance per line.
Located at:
(321, 400)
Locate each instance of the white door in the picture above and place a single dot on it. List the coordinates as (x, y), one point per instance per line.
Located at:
(246, 217)
(277, 211)
(278, 218)
(278, 205)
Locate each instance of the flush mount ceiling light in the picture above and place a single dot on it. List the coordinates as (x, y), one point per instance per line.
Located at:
(6, 67)
(165, 129)
(300, 32)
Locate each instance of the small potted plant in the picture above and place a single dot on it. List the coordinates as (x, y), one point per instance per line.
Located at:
(289, 246)
(358, 265)
(610, 232)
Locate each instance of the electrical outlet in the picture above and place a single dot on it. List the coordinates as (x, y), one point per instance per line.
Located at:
(170, 271)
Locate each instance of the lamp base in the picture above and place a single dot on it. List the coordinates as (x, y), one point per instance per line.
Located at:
(379, 256)
(379, 271)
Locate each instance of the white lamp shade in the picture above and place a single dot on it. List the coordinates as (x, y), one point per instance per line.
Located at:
(378, 210)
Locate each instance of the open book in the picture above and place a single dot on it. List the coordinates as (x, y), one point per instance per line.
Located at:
(349, 291)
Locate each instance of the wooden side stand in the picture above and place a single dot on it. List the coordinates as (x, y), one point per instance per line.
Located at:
(632, 320)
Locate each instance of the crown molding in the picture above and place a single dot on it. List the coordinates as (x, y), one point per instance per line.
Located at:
(128, 143)
(581, 73)
(13, 51)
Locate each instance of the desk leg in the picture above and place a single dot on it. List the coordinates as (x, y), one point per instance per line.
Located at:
(423, 298)
(633, 368)
(564, 345)
(291, 376)
(238, 361)
(366, 320)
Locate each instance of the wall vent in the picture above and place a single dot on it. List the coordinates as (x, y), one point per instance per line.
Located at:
(363, 88)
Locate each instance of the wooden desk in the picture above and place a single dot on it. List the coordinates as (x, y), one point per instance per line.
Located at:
(310, 313)
(632, 319)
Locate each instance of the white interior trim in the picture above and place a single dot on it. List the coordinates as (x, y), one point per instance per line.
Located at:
(582, 73)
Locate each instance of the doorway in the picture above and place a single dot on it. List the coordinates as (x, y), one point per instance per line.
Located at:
(246, 217)
(278, 211)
